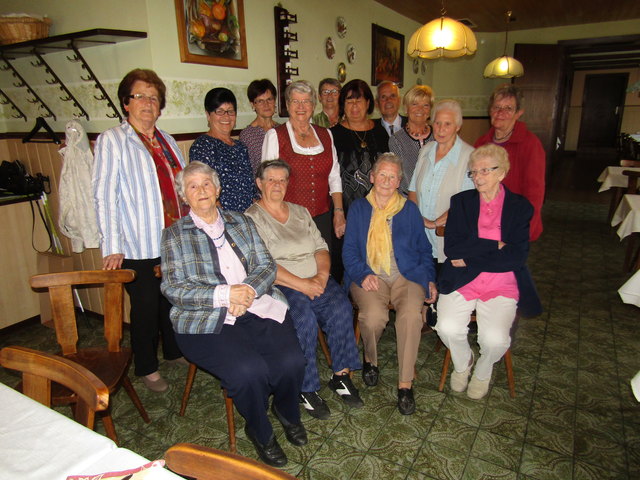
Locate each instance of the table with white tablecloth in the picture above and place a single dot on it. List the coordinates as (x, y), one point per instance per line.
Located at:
(38, 443)
(613, 177)
(627, 215)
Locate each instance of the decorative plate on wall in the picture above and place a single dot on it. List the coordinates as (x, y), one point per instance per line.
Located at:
(351, 53)
(342, 72)
(341, 27)
(423, 67)
(329, 48)
(416, 65)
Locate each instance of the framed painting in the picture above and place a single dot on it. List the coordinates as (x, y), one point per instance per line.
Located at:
(387, 55)
(211, 32)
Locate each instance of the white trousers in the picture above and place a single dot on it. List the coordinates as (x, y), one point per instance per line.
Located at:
(494, 318)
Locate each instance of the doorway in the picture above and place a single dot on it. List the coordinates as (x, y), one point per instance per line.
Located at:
(602, 107)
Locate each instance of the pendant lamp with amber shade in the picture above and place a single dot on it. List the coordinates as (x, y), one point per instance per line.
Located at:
(442, 37)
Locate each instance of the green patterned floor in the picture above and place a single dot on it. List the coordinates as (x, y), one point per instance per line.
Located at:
(574, 416)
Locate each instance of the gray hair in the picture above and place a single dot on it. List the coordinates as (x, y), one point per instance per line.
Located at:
(384, 83)
(191, 169)
(388, 157)
(267, 164)
(301, 86)
(506, 90)
(329, 81)
(494, 152)
(448, 104)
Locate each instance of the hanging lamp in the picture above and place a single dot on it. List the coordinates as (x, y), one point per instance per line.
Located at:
(504, 66)
(442, 37)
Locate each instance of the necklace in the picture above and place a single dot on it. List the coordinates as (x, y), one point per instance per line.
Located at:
(224, 239)
(363, 140)
(499, 139)
(422, 131)
(302, 134)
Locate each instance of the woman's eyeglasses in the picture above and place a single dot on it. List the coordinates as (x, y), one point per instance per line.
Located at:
(264, 101)
(305, 103)
(222, 112)
(483, 172)
(143, 97)
(328, 92)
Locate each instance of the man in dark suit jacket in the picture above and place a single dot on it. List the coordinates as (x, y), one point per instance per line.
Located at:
(388, 102)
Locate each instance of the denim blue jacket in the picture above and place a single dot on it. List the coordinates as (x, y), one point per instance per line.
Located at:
(191, 271)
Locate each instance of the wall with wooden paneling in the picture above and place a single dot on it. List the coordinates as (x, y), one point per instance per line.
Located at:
(41, 158)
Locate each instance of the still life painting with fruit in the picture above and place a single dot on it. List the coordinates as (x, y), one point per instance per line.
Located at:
(212, 31)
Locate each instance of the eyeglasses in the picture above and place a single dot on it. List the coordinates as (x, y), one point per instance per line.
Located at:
(142, 96)
(327, 92)
(506, 109)
(222, 112)
(305, 103)
(264, 101)
(483, 172)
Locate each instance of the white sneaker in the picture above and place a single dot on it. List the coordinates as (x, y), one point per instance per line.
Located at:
(477, 388)
(459, 380)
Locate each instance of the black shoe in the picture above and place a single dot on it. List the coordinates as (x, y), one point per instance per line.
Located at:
(343, 386)
(295, 432)
(370, 374)
(315, 405)
(406, 402)
(271, 453)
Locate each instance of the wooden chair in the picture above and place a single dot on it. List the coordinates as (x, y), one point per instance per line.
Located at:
(228, 403)
(109, 363)
(204, 463)
(447, 359)
(39, 369)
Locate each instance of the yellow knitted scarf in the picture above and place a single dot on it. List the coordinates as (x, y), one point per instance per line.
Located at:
(379, 236)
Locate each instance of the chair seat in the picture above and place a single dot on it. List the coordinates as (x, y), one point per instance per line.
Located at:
(109, 367)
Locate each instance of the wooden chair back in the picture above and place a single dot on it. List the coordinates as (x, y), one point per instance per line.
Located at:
(60, 287)
(632, 182)
(204, 463)
(39, 369)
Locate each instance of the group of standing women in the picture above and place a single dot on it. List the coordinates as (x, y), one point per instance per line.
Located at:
(321, 204)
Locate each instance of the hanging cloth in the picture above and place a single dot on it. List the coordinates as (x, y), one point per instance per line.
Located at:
(77, 218)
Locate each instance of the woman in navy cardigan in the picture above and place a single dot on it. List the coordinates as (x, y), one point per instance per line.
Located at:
(387, 258)
(486, 244)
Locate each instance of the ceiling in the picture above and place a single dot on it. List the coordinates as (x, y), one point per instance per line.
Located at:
(584, 54)
(489, 15)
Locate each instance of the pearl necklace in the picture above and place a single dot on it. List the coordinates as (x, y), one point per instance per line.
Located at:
(499, 139)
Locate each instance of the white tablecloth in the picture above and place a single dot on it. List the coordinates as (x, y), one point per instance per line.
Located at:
(613, 177)
(630, 291)
(38, 443)
(627, 215)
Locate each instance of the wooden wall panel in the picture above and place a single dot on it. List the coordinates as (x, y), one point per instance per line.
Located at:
(44, 158)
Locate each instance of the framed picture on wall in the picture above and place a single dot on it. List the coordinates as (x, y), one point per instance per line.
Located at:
(211, 32)
(387, 55)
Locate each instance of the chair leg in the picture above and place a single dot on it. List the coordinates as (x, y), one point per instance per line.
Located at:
(128, 386)
(325, 348)
(191, 375)
(107, 422)
(356, 325)
(445, 369)
(510, 378)
(231, 425)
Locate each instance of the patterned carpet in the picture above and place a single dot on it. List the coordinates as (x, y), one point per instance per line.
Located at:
(574, 416)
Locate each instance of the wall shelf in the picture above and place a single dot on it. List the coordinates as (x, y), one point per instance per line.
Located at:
(69, 42)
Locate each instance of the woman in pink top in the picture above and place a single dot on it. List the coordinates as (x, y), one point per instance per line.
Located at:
(486, 244)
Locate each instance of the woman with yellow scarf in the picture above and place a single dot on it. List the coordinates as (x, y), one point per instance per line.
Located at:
(387, 258)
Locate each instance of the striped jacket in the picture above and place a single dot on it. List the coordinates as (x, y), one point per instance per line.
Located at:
(127, 194)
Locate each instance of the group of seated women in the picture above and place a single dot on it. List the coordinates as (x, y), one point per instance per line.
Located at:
(248, 270)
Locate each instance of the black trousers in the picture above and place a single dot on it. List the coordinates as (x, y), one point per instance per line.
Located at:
(149, 318)
(253, 358)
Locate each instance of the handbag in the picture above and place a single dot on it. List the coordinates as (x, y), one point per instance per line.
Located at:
(14, 180)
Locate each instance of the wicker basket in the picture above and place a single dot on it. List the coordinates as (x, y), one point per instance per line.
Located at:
(22, 29)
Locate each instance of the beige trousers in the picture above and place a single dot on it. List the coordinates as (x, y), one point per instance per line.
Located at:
(407, 299)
